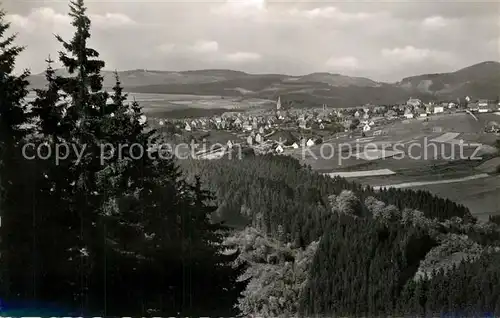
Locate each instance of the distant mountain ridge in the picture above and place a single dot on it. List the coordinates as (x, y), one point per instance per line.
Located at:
(478, 81)
(481, 80)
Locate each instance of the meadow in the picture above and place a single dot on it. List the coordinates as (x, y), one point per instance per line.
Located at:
(443, 175)
(204, 105)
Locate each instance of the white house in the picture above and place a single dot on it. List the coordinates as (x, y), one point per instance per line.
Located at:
(295, 145)
(279, 149)
(482, 103)
(258, 138)
(408, 113)
(414, 102)
(483, 106)
(367, 127)
(249, 140)
(229, 144)
(310, 143)
(302, 123)
(473, 106)
(438, 109)
(357, 114)
(321, 126)
(187, 127)
(422, 113)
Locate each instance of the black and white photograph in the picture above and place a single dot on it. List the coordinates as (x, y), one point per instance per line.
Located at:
(249, 158)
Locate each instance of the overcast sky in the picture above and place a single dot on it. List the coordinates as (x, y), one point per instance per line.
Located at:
(384, 41)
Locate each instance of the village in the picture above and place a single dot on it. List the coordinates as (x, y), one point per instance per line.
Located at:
(279, 129)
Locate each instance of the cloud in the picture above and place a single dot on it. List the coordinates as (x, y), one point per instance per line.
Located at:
(111, 20)
(240, 9)
(17, 20)
(200, 47)
(293, 37)
(208, 51)
(435, 22)
(495, 44)
(205, 47)
(407, 53)
(243, 57)
(166, 47)
(39, 17)
(329, 13)
(343, 63)
(46, 17)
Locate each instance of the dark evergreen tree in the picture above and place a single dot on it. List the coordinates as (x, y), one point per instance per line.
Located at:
(13, 89)
(49, 108)
(136, 229)
(13, 130)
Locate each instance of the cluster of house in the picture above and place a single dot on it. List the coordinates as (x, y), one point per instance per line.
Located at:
(258, 126)
(483, 105)
(259, 120)
(416, 108)
(275, 142)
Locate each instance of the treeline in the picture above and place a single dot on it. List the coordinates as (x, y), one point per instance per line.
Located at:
(117, 232)
(372, 243)
(278, 190)
(470, 289)
(361, 266)
(368, 263)
(364, 267)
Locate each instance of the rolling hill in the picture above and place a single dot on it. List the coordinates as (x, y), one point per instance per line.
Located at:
(477, 81)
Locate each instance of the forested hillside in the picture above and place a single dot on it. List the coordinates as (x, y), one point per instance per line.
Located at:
(284, 192)
(378, 253)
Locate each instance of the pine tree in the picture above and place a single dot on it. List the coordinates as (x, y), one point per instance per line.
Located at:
(77, 124)
(13, 89)
(122, 233)
(13, 130)
(50, 107)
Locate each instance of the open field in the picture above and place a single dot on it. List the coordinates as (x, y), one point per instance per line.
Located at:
(381, 172)
(153, 103)
(426, 183)
(161, 104)
(481, 196)
(448, 155)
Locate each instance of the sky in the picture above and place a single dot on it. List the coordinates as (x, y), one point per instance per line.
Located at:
(384, 41)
